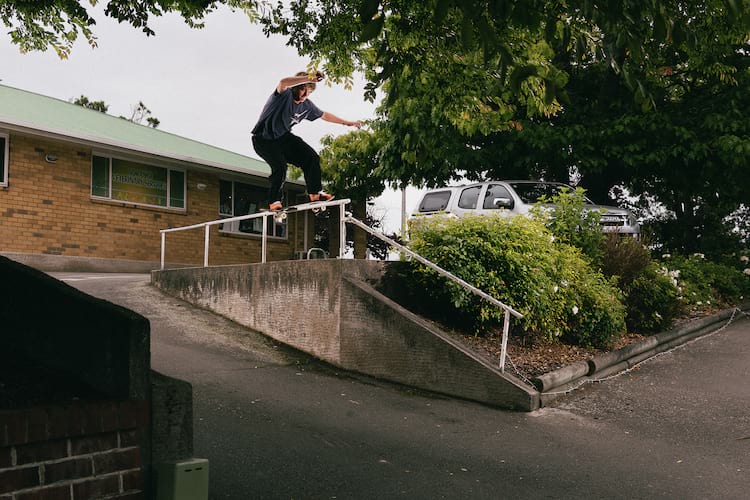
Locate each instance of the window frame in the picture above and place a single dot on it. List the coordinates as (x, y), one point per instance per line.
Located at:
(275, 226)
(6, 159)
(146, 163)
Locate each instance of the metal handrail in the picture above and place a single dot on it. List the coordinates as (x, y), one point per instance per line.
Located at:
(264, 236)
(344, 219)
(476, 291)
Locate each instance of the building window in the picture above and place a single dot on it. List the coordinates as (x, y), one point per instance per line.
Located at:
(238, 198)
(138, 183)
(4, 159)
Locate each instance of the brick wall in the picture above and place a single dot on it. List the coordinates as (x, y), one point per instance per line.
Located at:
(73, 451)
(47, 209)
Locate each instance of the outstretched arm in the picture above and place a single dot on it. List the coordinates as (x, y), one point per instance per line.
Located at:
(291, 81)
(335, 119)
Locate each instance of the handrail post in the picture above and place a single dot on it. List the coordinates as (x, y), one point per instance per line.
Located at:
(263, 238)
(504, 344)
(342, 231)
(205, 247)
(163, 245)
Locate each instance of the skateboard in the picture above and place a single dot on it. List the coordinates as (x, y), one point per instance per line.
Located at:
(281, 214)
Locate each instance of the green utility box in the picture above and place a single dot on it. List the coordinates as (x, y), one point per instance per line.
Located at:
(183, 480)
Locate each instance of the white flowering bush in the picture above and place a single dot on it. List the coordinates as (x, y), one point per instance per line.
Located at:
(517, 261)
(703, 284)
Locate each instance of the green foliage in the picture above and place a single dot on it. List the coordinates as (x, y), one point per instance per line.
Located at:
(84, 101)
(457, 76)
(571, 223)
(349, 164)
(57, 24)
(652, 302)
(515, 260)
(651, 299)
(600, 317)
(704, 284)
(623, 258)
(138, 114)
(689, 153)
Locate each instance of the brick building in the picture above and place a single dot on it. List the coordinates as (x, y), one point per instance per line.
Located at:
(77, 185)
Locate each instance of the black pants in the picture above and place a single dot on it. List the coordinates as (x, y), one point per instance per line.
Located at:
(288, 149)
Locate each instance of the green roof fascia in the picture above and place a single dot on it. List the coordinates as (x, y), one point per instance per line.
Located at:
(36, 112)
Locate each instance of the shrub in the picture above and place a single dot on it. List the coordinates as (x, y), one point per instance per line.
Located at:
(704, 284)
(595, 312)
(515, 260)
(624, 257)
(652, 302)
(571, 223)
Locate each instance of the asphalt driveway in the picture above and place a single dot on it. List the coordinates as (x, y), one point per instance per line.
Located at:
(275, 423)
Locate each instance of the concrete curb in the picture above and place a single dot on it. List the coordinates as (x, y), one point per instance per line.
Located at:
(558, 382)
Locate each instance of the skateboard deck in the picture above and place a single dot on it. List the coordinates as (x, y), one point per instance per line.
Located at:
(281, 214)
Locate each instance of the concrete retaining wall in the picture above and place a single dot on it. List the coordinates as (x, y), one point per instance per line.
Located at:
(332, 310)
(77, 394)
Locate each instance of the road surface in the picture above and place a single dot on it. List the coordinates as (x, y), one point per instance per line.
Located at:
(276, 424)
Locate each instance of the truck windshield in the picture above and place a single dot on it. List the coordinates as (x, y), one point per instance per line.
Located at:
(530, 192)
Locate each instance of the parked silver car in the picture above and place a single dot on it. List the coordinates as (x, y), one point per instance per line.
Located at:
(513, 198)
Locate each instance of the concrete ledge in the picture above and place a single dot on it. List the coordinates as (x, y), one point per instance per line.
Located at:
(66, 263)
(332, 310)
(568, 378)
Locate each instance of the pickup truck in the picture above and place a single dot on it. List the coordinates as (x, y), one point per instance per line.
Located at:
(507, 198)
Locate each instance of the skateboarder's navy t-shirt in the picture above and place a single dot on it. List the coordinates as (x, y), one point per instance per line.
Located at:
(281, 113)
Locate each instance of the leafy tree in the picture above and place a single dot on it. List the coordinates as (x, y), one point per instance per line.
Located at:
(691, 153)
(57, 24)
(453, 73)
(469, 84)
(349, 164)
(350, 168)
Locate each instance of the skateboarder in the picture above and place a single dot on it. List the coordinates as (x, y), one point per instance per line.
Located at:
(275, 143)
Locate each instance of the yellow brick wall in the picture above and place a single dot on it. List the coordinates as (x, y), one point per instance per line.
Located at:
(47, 209)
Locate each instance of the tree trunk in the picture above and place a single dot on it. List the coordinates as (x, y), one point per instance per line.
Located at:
(334, 220)
(359, 210)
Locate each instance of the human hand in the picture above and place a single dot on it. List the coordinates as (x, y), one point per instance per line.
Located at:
(357, 124)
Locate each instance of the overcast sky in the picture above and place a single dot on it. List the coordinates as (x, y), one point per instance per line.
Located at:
(207, 85)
